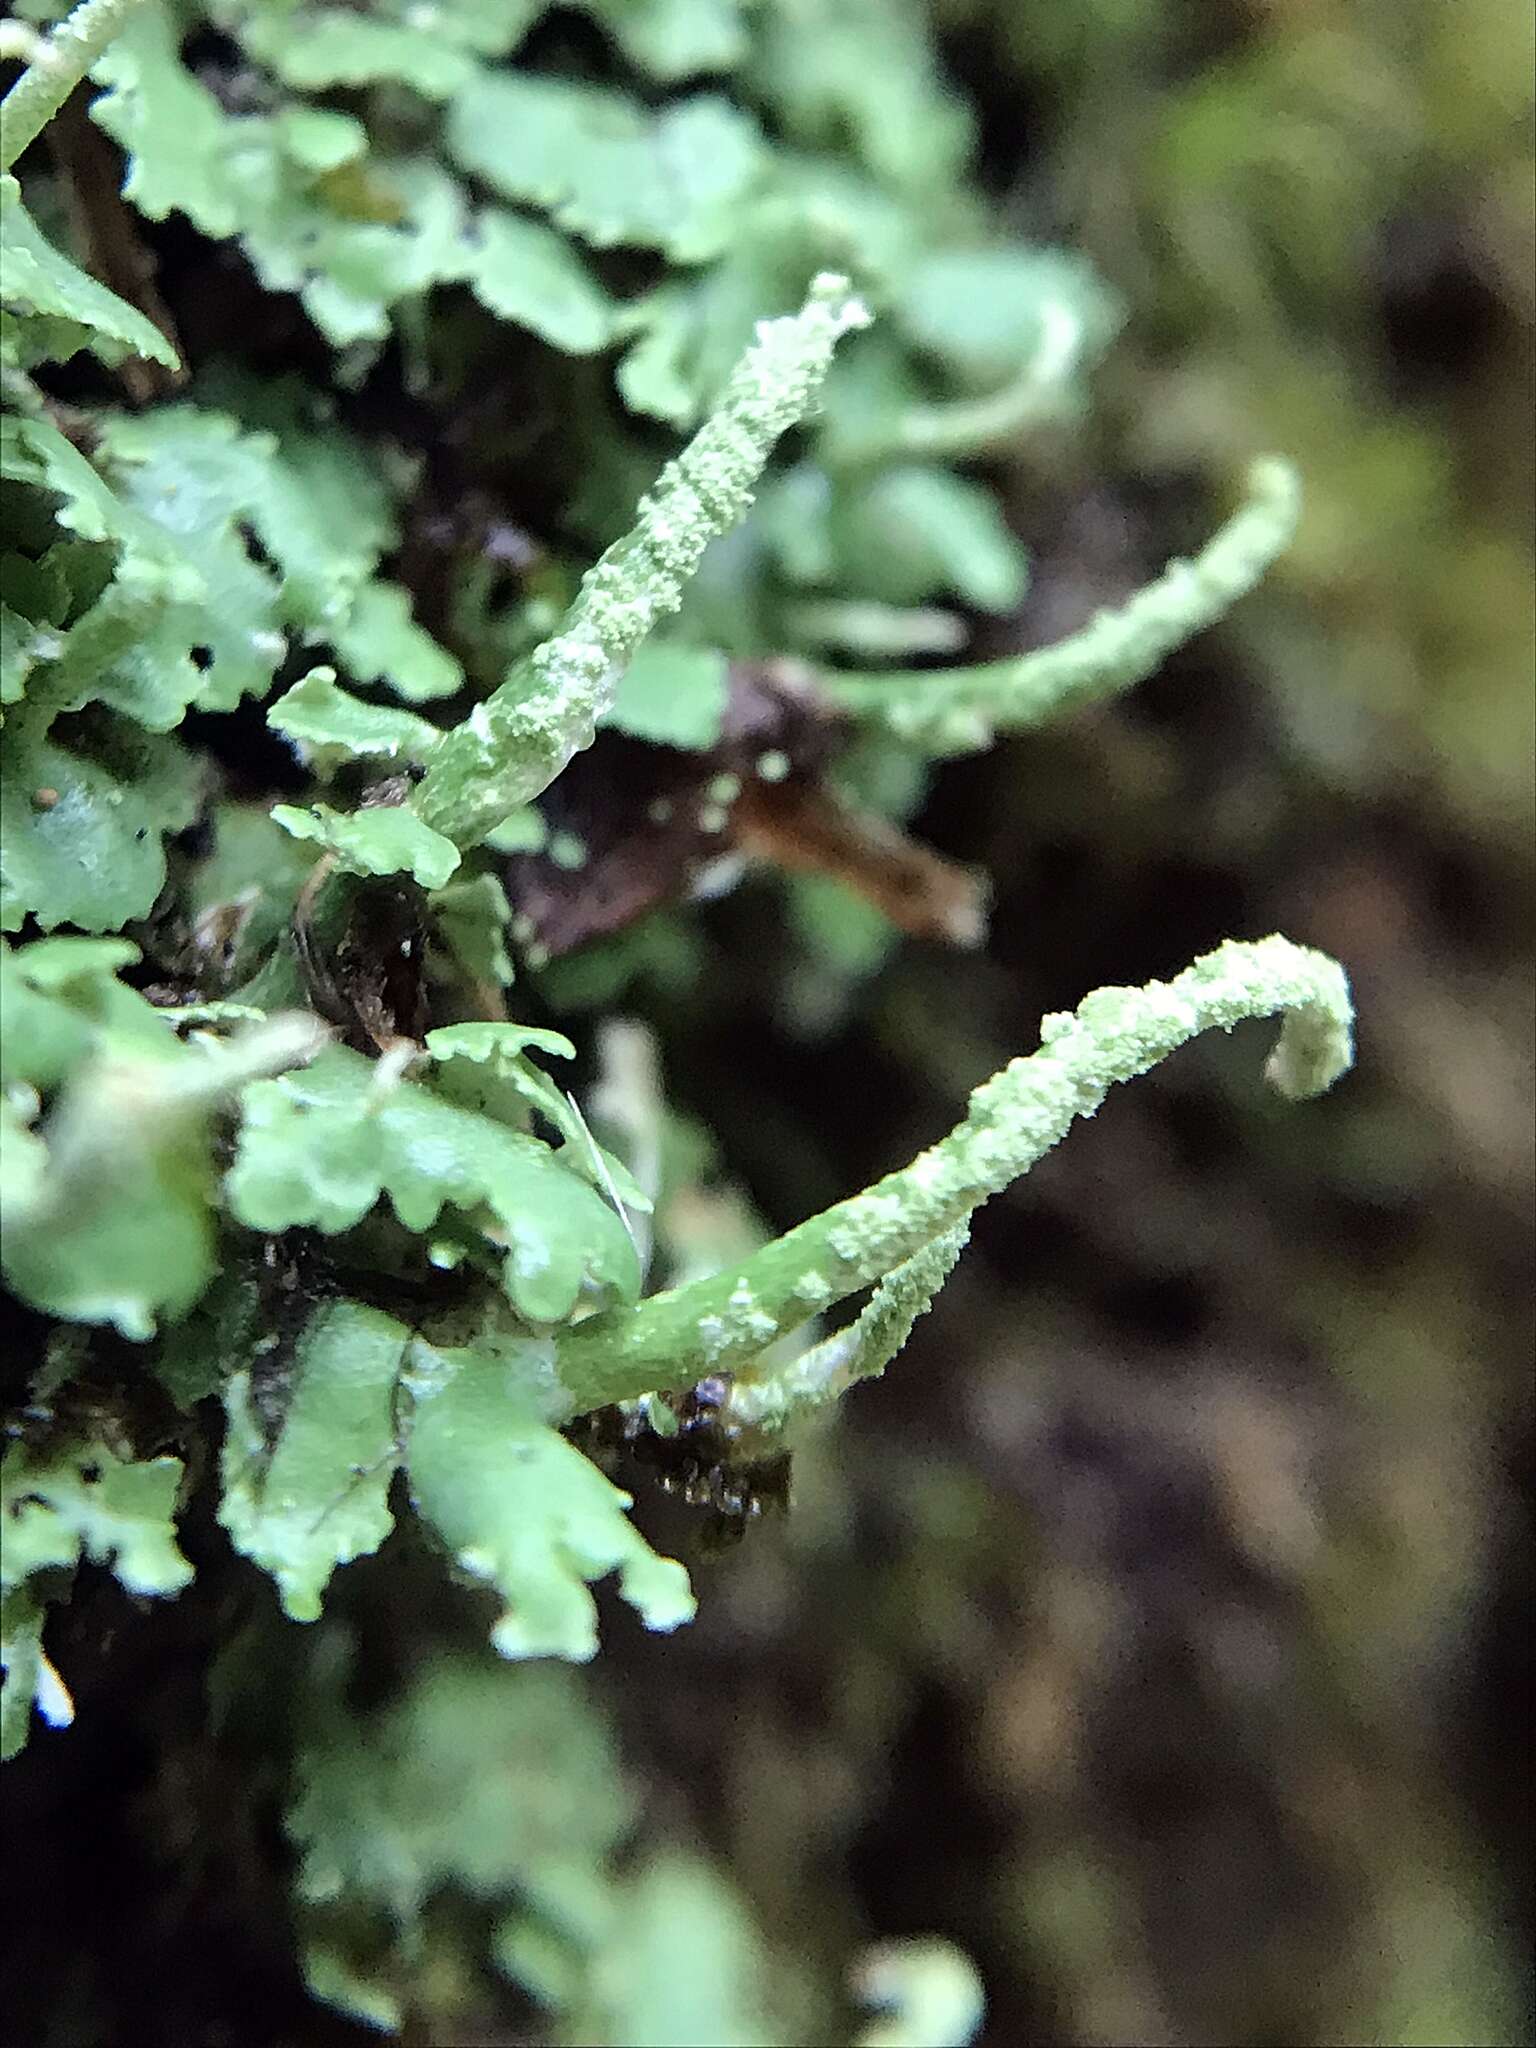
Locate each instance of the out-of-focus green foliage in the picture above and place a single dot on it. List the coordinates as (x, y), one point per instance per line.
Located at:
(1254, 206)
(108, 1216)
(508, 1792)
(58, 307)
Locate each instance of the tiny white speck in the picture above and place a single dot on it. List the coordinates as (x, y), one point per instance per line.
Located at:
(52, 1696)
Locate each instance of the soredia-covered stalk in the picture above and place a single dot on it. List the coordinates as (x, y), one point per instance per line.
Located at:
(826, 1371)
(956, 710)
(514, 744)
(1014, 1120)
(55, 71)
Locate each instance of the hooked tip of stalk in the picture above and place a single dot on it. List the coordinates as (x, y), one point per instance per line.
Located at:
(832, 292)
(1275, 485)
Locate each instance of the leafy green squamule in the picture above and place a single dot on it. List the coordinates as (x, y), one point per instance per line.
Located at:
(60, 1505)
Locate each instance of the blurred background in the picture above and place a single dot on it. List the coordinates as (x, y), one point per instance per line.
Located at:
(1159, 1630)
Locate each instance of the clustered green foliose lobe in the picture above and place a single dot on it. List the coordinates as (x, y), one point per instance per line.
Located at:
(400, 1258)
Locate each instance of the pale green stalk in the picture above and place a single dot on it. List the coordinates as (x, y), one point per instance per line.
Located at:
(951, 430)
(865, 628)
(824, 1373)
(517, 741)
(1014, 1120)
(55, 71)
(959, 709)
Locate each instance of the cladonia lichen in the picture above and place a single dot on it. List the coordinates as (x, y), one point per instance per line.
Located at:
(1013, 1120)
